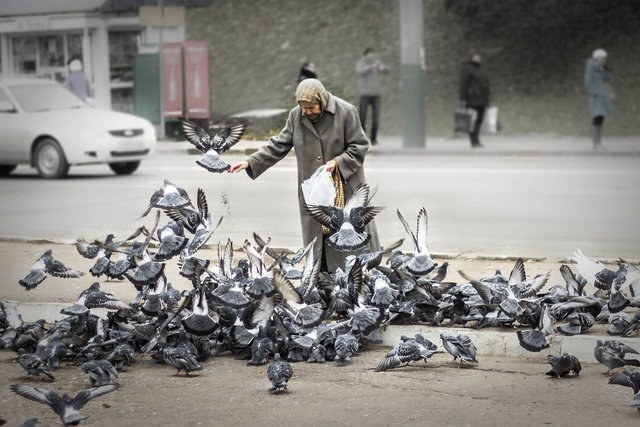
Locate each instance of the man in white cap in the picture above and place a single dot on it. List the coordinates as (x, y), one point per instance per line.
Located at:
(597, 83)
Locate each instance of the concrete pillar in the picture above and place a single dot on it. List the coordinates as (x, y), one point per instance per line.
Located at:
(6, 57)
(100, 65)
(412, 70)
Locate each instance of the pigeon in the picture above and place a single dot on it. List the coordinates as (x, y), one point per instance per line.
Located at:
(459, 346)
(347, 226)
(627, 378)
(346, 345)
(67, 407)
(279, 373)
(611, 354)
(261, 348)
(99, 371)
(169, 196)
(594, 271)
(101, 254)
(563, 365)
(199, 322)
(212, 148)
(537, 339)
(181, 359)
(44, 266)
(408, 350)
(172, 241)
(205, 228)
(421, 263)
(34, 365)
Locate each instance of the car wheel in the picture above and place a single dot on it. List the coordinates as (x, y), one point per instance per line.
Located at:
(50, 160)
(124, 168)
(7, 169)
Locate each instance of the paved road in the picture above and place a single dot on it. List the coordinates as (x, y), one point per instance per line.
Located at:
(478, 205)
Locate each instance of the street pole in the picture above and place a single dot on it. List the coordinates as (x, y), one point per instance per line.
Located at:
(161, 132)
(413, 70)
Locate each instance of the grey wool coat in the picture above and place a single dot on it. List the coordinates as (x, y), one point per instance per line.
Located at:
(596, 78)
(336, 135)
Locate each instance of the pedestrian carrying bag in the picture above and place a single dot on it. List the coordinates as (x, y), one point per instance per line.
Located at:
(463, 119)
(490, 123)
(319, 189)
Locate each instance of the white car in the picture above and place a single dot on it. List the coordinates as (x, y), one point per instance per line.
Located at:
(44, 125)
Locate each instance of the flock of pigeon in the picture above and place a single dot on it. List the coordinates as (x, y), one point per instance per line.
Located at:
(281, 307)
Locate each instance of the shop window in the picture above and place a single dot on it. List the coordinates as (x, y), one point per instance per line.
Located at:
(123, 47)
(25, 55)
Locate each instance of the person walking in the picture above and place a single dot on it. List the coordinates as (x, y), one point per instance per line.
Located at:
(78, 82)
(368, 70)
(324, 130)
(597, 81)
(474, 93)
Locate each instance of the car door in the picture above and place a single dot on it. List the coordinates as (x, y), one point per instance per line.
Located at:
(14, 144)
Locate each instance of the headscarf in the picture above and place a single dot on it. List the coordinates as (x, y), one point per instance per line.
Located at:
(75, 65)
(312, 91)
(599, 53)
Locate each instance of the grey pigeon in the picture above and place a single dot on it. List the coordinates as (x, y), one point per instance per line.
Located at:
(167, 197)
(347, 225)
(627, 378)
(611, 354)
(261, 348)
(279, 373)
(181, 359)
(537, 339)
(42, 267)
(199, 322)
(67, 407)
(563, 365)
(99, 371)
(34, 365)
(212, 148)
(459, 346)
(346, 345)
(421, 263)
(408, 350)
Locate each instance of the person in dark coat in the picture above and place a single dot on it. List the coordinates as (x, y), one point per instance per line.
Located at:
(307, 71)
(474, 93)
(324, 130)
(597, 82)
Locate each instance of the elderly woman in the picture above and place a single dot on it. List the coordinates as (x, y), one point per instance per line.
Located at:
(597, 83)
(323, 129)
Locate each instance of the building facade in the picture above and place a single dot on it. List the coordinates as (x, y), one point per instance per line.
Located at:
(40, 38)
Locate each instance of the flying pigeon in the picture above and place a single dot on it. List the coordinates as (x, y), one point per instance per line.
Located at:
(459, 346)
(537, 339)
(408, 350)
(421, 263)
(212, 148)
(347, 226)
(169, 196)
(67, 407)
(44, 266)
(279, 373)
(563, 365)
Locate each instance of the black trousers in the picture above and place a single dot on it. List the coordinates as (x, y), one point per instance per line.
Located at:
(474, 135)
(374, 102)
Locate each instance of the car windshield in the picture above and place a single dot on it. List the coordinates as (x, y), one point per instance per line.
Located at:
(44, 97)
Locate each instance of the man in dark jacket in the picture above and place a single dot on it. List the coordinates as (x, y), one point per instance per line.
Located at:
(474, 93)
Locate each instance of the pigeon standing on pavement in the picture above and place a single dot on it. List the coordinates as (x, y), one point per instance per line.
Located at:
(563, 365)
(279, 373)
(99, 371)
(42, 267)
(67, 407)
(611, 353)
(34, 365)
(459, 346)
(212, 148)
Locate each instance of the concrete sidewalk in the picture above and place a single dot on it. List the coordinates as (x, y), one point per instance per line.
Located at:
(494, 145)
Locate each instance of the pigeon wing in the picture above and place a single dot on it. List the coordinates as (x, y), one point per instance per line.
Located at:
(228, 137)
(86, 395)
(408, 229)
(196, 135)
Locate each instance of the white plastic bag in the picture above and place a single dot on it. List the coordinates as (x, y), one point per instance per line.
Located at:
(490, 122)
(319, 188)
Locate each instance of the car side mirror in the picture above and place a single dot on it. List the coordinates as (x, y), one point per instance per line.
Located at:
(7, 107)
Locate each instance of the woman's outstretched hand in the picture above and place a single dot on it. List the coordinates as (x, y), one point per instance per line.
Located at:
(238, 167)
